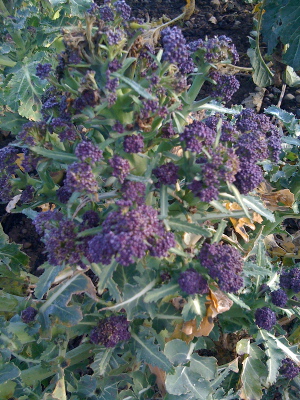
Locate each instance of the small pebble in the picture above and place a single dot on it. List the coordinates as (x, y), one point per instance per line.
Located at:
(215, 3)
(271, 96)
(298, 98)
(26, 245)
(24, 230)
(289, 97)
(297, 91)
(275, 90)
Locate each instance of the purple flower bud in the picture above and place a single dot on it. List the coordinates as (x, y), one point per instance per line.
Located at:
(175, 49)
(224, 263)
(106, 14)
(289, 369)
(80, 178)
(279, 298)
(196, 135)
(265, 318)
(123, 9)
(28, 314)
(88, 152)
(167, 174)
(43, 70)
(191, 282)
(290, 279)
(226, 86)
(120, 166)
(111, 331)
(133, 143)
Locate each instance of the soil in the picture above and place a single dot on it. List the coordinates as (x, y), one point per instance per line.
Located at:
(233, 18)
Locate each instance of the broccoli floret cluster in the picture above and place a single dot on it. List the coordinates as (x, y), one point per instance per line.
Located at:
(265, 318)
(289, 369)
(28, 314)
(279, 298)
(191, 282)
(224, 263)
(111, 331)
(290, 280)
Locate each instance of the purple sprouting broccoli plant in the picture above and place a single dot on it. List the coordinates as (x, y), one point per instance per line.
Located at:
(137, 168)
(133, 143)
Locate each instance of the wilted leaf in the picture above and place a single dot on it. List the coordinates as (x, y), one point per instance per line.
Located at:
(217, 303)
(239, 224)
(160, 378)
(272, 199)
(255, 99)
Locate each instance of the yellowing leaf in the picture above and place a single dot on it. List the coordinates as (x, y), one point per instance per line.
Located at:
(189, 8)
(19, 160)
(239, 224)
(217, 303)
(272, 199)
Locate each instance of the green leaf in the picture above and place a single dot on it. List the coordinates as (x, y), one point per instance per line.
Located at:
(161, 292)
(194, 307)
(180, 226)
(10, 253)
(58, 300)
(290, 122)
(262, 76)
(274, 354)
(177, 351)
(46, 279)
(205, 366)
(55, 154)
(135, 86)
(8, 372)
(291, 78)
(24, 90)
(101, 361)
(257, 205)
(186, 381)
(283, 345)
(12, 122)
(104, 273)
(238, 301)
(281, 21)
(149, 352)
(8, 302)
(254, 371)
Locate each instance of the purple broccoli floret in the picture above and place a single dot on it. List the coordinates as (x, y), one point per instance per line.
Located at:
(111, 331)
(224, 263)
(43, 70)
(265, 318)
(279, 298)
(289, 369)
(28, 314)
(191, 282)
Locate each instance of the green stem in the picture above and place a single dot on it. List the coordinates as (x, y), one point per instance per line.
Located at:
(3, 9)
(198, 82)
(38, 373)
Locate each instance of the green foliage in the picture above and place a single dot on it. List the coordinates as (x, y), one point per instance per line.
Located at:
(280, 22)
